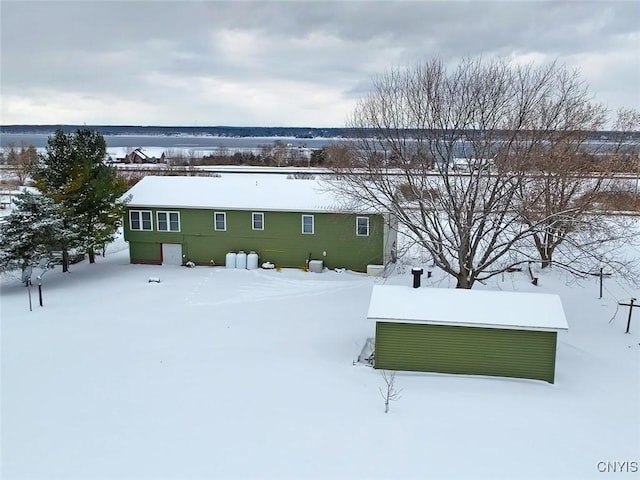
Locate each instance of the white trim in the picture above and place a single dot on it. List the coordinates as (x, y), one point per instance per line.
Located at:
(168, 214)
(215, 222)
(467, 324)
(313, 224)
(253, 221)
(141, 229)
(358, 234)
(348, 211)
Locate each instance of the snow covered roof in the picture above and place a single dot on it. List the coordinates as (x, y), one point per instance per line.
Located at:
(472, 308)
(139, 153)
(238, 192)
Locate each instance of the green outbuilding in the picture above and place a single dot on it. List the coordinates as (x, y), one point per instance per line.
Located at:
(285, 221)
(472, 332)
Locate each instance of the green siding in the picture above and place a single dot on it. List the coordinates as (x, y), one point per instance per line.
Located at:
(465, 350)
(140, 252)
(281, 242)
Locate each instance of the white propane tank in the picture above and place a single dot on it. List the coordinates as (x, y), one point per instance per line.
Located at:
(252, 260)
(230, 260)
(241, 260)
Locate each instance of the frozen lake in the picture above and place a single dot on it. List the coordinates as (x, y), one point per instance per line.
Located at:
(197, 143)
(187, 145)
(201, 145)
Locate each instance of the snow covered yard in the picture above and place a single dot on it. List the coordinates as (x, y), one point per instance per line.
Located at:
(216, 373)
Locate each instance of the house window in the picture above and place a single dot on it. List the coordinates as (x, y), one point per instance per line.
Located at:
(362, 226)
(140, 220)
(257, 220)
(307, 224)
(220, 221)
(168, 221)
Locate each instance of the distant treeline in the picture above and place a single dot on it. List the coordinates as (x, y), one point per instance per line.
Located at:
(237, 132)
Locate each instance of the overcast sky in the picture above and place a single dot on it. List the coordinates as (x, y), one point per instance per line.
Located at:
(301, 63)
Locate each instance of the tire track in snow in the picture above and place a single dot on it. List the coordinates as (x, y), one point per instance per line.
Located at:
(229, 287)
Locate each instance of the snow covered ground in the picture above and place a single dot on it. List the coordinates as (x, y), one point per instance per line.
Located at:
(227, 374)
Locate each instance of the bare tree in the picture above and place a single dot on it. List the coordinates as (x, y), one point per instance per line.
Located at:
(338, 155)
(449, 156)
(565, 204)
(21, 161)
(279, 152)
(176, 158)
(626, 142)
(562, 184)
(573, 186)
(626, 137)
(389, 393)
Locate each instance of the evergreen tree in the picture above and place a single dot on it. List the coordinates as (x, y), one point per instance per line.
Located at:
(73, 174)
(30, 232)
(51, 176)
(98, 210)
(318, 157)
(55, 167)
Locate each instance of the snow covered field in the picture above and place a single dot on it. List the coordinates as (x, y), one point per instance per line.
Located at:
(225, 374)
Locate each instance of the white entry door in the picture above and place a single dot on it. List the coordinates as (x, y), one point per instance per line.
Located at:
(171, 254)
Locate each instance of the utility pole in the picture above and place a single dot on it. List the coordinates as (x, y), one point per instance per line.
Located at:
(40, 289)
(44, 265)
(26, 279)
(631, 305)
(601, 274)
(29, 288)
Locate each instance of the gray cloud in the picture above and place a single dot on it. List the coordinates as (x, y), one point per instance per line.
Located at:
(280, 63)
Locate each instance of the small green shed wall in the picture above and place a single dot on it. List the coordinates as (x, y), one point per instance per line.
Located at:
(281, 242)
(465, 350)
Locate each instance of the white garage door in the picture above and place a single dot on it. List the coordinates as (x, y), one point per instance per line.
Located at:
(171, 254)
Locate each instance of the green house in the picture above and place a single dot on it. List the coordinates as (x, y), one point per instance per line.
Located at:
(473, 332)
(286, 221)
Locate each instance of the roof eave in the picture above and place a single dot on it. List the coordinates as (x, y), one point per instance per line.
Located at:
(470, 324)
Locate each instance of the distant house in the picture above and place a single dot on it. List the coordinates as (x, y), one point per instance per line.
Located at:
(473, 332)
(138, 156)
(288, 222)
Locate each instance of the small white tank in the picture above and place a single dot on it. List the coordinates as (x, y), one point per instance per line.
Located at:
(252, 261)
(230, 260)
(241, 260)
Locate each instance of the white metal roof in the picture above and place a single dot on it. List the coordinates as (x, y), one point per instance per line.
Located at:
(238, 192)
(461, 307)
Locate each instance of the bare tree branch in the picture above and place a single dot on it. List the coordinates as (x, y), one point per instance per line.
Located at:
(458, 154)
